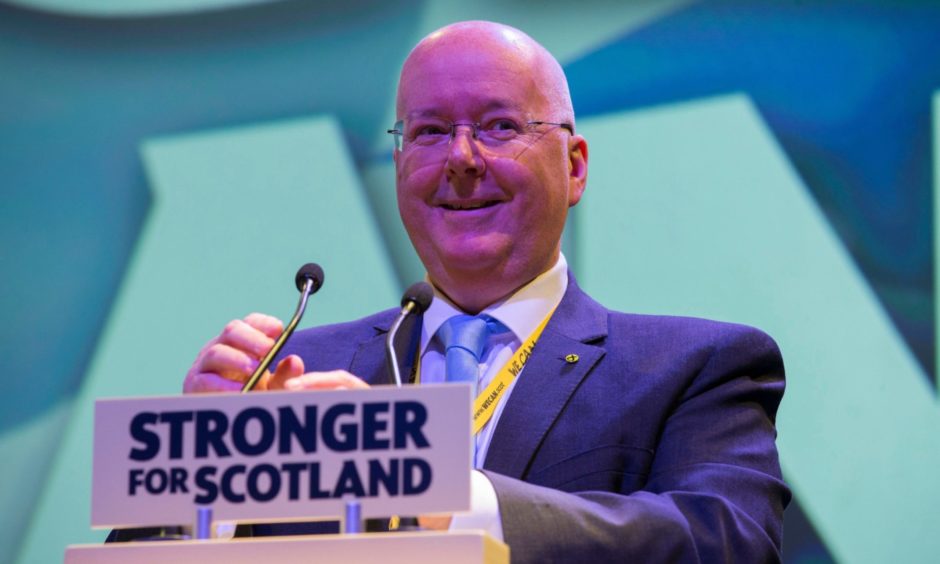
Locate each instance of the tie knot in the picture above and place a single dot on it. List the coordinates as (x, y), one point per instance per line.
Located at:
(464, 331)
(464, 337)
(469, 332)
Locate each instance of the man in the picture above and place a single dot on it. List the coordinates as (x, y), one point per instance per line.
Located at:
(625, 437)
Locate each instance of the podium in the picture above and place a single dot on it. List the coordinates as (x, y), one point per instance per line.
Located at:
(273, 457)
(457, 547)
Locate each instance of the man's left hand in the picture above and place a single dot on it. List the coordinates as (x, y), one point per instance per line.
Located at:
(332, 380)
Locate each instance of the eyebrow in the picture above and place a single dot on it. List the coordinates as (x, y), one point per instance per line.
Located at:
(492, 105)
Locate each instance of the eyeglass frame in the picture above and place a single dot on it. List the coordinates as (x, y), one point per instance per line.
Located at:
(398, 132)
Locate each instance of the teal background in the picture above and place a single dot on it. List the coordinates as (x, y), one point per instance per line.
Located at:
(167, 166)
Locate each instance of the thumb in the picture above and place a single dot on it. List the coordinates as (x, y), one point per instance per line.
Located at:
(289, 367)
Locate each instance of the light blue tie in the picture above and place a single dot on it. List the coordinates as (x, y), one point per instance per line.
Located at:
(464, 338)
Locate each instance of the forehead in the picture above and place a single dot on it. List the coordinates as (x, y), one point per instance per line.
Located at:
(471, 78)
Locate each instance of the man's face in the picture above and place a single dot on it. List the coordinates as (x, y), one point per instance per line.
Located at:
(476, 212)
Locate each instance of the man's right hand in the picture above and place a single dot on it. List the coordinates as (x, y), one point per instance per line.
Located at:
(228, 360)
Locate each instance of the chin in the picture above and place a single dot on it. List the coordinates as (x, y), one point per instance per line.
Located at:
(470, 262)
(481, 250)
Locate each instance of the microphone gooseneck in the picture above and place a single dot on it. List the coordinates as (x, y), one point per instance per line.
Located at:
(414, 301)
(309, 279)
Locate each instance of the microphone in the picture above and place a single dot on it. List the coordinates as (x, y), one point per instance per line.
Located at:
(415, 301)
(312, 272)
(309, 279)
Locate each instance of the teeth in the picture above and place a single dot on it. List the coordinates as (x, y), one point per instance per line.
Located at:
(459, 206)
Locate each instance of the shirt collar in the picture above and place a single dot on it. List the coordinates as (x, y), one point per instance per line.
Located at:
(521, 312)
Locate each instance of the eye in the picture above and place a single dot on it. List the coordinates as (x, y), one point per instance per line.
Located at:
(502, 125)
(501, 130)
(432, 130)
(429, 132)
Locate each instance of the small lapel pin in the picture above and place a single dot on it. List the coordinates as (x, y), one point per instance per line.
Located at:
(572, 358)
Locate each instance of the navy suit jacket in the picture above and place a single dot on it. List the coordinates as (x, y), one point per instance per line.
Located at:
(656, 445)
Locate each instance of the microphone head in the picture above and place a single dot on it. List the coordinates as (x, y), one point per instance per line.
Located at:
(420, 294)
(312, 271)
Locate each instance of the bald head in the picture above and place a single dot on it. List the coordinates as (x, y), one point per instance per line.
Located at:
(465, 45)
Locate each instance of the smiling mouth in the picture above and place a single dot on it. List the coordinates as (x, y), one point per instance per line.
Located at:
(467, 206)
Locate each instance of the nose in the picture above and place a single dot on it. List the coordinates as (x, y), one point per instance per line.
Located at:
(463, 154)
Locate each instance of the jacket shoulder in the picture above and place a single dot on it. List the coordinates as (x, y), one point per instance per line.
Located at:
(679, 329)
(364, 327)
(329, 347)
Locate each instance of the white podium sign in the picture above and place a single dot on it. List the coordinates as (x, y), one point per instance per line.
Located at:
(280, 456)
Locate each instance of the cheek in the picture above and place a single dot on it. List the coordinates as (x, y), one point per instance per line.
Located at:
(529, 181)
(514, 175)
(417, 172)
(540, 188)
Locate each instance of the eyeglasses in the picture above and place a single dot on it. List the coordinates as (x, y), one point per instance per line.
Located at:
(434, 133)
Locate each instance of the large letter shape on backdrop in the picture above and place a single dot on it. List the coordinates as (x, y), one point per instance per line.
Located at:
(677, 221)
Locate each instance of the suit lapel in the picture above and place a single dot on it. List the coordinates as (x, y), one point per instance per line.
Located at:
(578, 327)
(369, 361)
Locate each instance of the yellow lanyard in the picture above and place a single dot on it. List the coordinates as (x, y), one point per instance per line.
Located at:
(485, 404)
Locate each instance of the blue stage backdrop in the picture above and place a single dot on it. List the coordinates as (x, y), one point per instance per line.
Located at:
(166, 166)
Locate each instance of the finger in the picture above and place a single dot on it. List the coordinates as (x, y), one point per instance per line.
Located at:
(228, 362)
(242, 336)
(289, 367)
(208, 382)
(190, 383)
(435, 522)
(267, 324)
(334, 380)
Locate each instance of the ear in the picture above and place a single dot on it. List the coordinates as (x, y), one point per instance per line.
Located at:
(577, 168)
